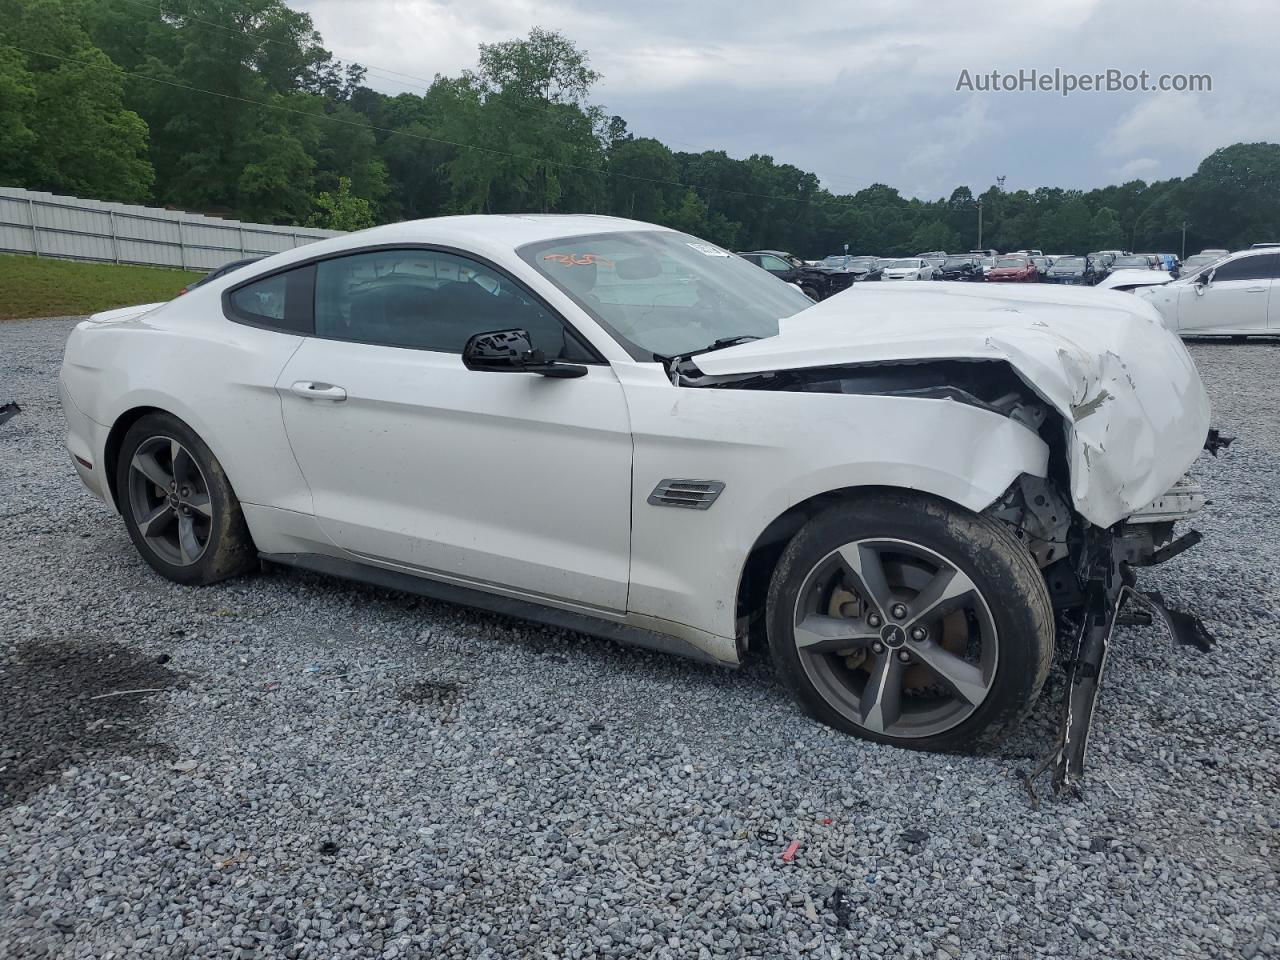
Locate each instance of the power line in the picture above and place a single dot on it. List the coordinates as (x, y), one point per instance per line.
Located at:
(415, 136)
(246, 34)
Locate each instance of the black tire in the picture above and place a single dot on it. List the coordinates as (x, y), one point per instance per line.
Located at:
(1016, 615)
(225, 547)
(811, 292)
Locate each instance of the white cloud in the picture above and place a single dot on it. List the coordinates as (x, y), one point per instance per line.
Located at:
(863, 91)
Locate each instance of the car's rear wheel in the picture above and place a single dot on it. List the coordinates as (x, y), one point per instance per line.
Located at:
(178, 505)
(811, 292)
(908, 621)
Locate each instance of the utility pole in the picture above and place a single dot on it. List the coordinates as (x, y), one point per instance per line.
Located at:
(1184, 240)
(979, 223)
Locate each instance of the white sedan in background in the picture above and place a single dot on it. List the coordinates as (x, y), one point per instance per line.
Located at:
(625, 430)
(1236, 296)
(909, 268)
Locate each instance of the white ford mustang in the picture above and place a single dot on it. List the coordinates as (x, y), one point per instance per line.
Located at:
(622, 429)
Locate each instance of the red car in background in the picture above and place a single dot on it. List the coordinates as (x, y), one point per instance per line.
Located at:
(1014, 270)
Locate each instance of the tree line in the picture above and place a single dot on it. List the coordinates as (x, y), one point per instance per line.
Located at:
(236, 107)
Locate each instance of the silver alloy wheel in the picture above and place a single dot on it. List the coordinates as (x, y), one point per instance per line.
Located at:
(169, 500)
(895, 637)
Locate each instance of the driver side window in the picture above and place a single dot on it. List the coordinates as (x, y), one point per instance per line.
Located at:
(429, 300)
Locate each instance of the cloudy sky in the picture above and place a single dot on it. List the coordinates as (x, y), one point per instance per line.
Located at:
(864, 92)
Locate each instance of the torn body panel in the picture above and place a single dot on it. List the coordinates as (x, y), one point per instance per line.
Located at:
(1132, 405)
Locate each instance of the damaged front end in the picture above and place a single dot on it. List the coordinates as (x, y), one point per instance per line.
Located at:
(1088, 562)
(1090, 572)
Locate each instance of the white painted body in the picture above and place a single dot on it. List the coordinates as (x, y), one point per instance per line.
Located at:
(537, 488)
(1131, 279)
(1211, 303)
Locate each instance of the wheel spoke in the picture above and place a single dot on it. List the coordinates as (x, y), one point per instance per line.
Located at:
(147, 465)
(862, 564)
(158, 521)
(818, 634)
(188, 545)
(181, 461)
(946, 592)
(960, 675)
(199, 502)
(882, 696)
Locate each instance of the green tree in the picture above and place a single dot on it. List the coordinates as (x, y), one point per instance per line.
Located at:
(64, 110)
(342, 210)
(1105, 232)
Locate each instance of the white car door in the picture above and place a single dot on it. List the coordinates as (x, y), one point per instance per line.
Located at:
(512, 481)
(1235, 300)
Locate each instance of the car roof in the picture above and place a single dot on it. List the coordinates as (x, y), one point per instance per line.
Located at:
(493, 235)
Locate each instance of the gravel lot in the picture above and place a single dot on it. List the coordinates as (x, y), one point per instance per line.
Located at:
(328, 770)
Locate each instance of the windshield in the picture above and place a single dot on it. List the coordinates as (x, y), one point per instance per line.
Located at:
(661, 293)
(956, 262)
(835, 260)
(904, 265)
(1132, 263)
(1068, 264)
(1017, 262)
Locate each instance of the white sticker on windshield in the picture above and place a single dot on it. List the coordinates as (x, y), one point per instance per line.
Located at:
(707, 250)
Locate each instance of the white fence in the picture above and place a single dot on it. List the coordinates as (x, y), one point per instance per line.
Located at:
(71, 228)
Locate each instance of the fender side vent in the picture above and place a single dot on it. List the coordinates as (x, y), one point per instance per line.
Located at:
(694, 494)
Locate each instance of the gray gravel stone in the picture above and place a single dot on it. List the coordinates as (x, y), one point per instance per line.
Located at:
(478, 787)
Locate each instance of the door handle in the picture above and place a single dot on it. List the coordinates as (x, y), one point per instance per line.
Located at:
(313, 390)
(1255, 290)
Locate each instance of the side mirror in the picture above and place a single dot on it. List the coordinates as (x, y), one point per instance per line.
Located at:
(1204, 279)
(511, 351)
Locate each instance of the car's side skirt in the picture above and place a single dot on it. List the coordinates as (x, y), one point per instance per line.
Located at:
(624, 633)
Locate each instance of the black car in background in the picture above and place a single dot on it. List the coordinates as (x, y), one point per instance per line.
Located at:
(957, 267)
(816, 282)
(1080, 271)
(862, 268)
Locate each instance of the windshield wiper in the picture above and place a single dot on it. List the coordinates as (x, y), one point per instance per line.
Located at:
(672, 360)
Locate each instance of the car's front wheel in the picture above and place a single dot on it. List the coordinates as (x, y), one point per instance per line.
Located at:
(906, 620)
(178, 505)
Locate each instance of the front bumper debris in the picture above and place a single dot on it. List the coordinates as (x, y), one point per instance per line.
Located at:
(8, 411)
(1109, 587)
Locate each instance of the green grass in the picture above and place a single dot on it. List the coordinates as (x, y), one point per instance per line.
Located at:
(42, 287)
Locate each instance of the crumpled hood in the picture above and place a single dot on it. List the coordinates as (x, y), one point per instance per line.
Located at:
(1136, 410)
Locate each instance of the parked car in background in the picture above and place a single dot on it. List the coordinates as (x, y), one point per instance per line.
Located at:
(1216, 251)
(1078, 271)
(1199, 261)
(1013, 270)
(866, 268)
(908, 268)
(1235, 296)
(649, 439)
(814, 282)
(991, 254)
(218, 273)
(1135, 261)
(960, 267)
(1270, 244)
(1042, 265)
(933, 255)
